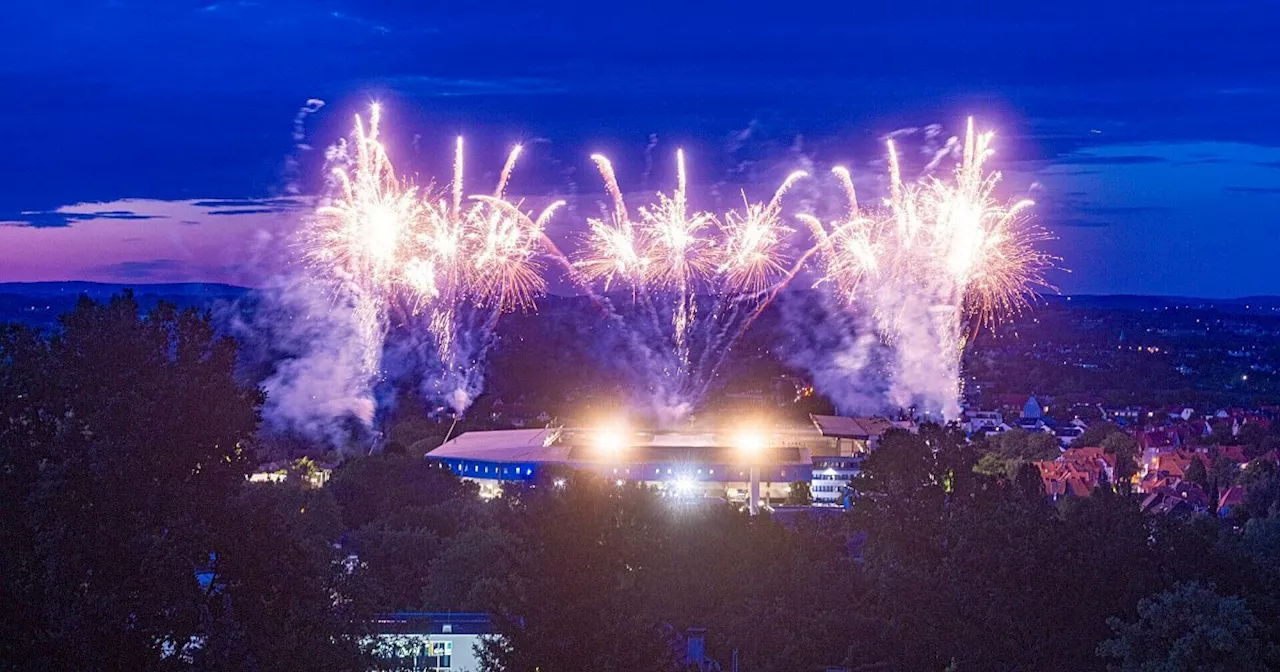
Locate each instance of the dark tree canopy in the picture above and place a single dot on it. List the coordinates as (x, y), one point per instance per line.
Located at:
(124, 450)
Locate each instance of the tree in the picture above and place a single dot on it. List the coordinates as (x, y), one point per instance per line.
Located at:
(1261, 483)
(143, 427)
(1010, 450)
(1191, 627)
(1196, 473)
(1095, 433)
(375, 486)
(799, 494)
(584, 552)
(280, 596)
(123, 454)
(1125, 450)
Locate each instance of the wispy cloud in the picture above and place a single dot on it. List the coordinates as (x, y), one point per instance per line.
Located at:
(1093, 160)
(1115, 210)
(244, 211)
(60, 217)
(1252, 190)
(247, 206)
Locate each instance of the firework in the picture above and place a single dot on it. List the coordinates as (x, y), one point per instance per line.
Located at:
(852, 249)
(460, 260)
(614, 250)
(678, 249)
(986, 248)
(754, 242)
(674, 255)
(365, 232)
(951, 240)
(937, 260)
(942, 252)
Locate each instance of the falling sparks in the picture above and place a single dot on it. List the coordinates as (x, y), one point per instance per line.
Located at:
(940, 259)
(672, 254)
(387, 241)
(946, 241)
(949, 238)
(754, 242)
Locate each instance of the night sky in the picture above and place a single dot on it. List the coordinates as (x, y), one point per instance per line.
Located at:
(154, 142)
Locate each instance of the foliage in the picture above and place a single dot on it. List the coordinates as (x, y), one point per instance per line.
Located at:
(132, 539)
(123, 457)
(1125, 450)
(1188, 628)
(799, 494)
(1096, 433)
(1008, 451)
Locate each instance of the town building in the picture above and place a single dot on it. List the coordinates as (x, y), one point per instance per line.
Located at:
(431, 642)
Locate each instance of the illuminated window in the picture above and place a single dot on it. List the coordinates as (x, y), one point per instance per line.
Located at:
(440, 654)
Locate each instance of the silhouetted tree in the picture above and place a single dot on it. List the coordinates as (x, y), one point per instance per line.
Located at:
(123, 455)
(1190, 627)
(1125, 450)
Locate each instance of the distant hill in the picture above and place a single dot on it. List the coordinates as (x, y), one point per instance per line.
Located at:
(1244, 304)
(40, 303)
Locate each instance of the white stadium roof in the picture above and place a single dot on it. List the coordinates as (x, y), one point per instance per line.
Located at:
(504, 445)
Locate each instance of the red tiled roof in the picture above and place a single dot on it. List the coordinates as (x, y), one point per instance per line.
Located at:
(1232, 497)
(1062, 478)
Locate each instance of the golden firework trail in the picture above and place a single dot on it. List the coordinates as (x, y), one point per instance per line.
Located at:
(949, 238)
(386, 240)
(671, 251)
(755, 242)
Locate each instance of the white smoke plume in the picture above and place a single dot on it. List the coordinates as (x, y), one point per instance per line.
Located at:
(310, 357)
(838, 349)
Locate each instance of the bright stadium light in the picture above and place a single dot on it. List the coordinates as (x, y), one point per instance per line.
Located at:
(610, 440)
(751, 442)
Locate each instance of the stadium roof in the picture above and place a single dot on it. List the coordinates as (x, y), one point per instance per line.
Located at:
(556, 446)
(840, 427)
(504, 445)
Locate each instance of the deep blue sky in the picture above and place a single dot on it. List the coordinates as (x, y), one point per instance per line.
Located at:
(1149, 128)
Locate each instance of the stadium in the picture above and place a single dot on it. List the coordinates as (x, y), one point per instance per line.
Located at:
(824, 454)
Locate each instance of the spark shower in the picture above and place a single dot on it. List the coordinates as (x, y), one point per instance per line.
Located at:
(932, 262)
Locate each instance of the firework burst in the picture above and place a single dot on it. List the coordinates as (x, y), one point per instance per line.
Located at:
(705, 268)
(460, 260)
(938, 260)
